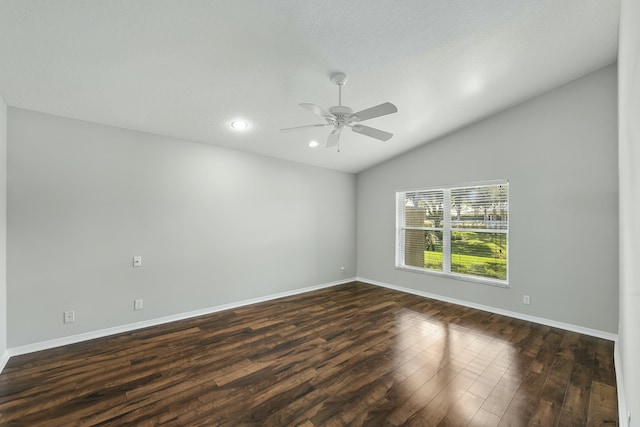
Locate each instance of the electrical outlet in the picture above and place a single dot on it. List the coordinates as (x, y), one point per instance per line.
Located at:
(69, 316)
(137, 304)
(137, 261)
(526, 299)
(342, 269)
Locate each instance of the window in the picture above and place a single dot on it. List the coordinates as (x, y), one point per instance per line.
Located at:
(461, 232)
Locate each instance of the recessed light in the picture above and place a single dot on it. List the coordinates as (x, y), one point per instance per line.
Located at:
(313, 144)
(240, 125)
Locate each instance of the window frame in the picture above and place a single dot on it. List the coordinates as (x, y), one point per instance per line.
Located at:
(447, 230)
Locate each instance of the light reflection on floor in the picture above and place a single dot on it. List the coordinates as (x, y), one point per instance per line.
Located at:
(452, 367)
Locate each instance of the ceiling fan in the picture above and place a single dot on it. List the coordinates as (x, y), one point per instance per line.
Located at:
(340, 116)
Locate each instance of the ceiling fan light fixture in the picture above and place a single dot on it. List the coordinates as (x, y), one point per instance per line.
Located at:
(239, 125)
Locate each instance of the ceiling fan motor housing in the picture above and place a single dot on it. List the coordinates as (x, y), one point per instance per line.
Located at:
(342, 115)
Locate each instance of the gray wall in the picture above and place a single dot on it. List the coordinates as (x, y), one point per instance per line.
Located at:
(629, 109)
(3, 230)
(213, 226)
(558, 152)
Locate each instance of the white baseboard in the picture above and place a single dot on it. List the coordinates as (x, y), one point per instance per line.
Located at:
(4, 358)
(45, 345)
(561, 325)
(623, 415)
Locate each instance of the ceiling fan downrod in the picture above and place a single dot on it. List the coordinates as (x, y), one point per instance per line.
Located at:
(339, 79)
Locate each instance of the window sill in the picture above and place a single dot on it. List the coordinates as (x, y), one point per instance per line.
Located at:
(463, 277)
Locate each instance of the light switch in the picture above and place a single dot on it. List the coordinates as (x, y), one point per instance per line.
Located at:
(137, 261)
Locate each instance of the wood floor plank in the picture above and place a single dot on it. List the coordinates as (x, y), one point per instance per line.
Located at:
(484, 418)
(463, 411)
(576, 402)
(526, 398)
(601, 410)
(353, 354)
(555, 387)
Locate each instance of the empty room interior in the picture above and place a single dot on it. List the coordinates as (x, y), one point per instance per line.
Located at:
(322, 213)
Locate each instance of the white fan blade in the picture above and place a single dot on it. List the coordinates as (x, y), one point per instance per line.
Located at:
(316, 110)
(303, 127)
(377, 111)
(372, 132)
(334, 136)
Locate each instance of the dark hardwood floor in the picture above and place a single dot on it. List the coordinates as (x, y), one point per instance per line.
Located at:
(353, 354)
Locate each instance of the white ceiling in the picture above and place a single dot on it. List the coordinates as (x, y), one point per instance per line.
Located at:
(187, 68)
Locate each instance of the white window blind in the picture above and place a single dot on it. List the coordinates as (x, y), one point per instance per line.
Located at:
(457, 231)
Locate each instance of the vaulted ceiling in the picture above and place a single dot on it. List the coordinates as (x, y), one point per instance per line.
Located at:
(186, 69)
